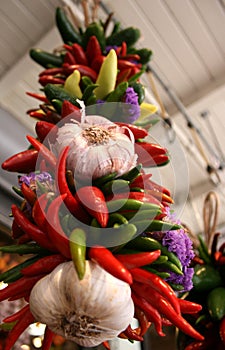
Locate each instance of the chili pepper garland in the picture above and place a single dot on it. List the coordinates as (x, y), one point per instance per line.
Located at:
(124, 208)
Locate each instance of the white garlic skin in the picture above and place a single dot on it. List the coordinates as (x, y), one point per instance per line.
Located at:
(89, 311)
(93, 161)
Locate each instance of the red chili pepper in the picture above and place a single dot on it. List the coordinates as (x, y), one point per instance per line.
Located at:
(16, 230)
(49, 79)
(151, 313)
(196, 346)
(44, 129)
(123, 75)
(69, 58)
(39, 97)
(106, 345)
(43, 265)
(52, 71)
(38, 115)
(22, 162)
(18, 329)
(166, 309)
(124, 64)
(93, 201)
(131, 57)
(222, 330)
(30, 229)
(144, 148)
(138, 132)
(131, 261)
(221, 260)
(141, 181)
(123, 51)
(84, 70)
(189, 307)
(140, 196)
(142, 320)
(108, 262)
(152, 185)
(97, 63)
(162, 197)
(68, 47)
(38, 211)
(28, 194)
(79, 54)
(214, 244)
(70, 201)
(54, 229)
(22, 285)
(157, 283)
(131, 334)
(44, 151)
(25, 238)
(69, 108)
(135, 70)
(48, 338)
(17, 315)
(93, 49)
(217, 256)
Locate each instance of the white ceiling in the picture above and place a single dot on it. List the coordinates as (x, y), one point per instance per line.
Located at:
(187, 40)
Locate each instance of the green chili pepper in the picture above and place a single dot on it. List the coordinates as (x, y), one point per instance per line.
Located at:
(140, 91)
(78, 251)
(142, 214)
(66, 29)
(169, 265)
(14, 273)
(124, 204)
(88, 93)
(216, 303)
(85, 82)
(116, 218)
(53, 92)
(103, 179)
(155, 225)
(116, 28)
(161, 260)
(46, 59)
(145, 54)
(30, 248)
(115, 186)
(97, 30)
(206, 278)
(176, 287)
(203, 251)
(57, 104)
(130, 35)
(18, 191)
(117, 94)
(132, 174)
(161, 274)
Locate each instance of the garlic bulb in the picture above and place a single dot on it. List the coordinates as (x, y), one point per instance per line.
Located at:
(97, 147)
(87, 311)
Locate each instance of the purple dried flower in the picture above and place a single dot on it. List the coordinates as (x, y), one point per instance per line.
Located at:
(30, 180)
(110, 47)
(131, 98)
(185, 280)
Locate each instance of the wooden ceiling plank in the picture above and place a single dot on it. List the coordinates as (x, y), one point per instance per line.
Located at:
(213, 15)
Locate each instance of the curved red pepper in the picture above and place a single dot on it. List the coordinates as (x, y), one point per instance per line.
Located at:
(30, 229)
(93, 200)
(44, 151)
(84, 70)
(43, 265)
(52, 71)
(17, 315)
(22, 162)
(79, 54)
(139, 259)
(222, 330)
(138, 132)
(106, 345)
(142, 320)
(44, 129)
(39, 97)
(54, 229)
(49, 79)
(93, 49)
(140, 196)
(28, 194)
(108, 262)
(48, 338)
(157, 283)
(18, 329)
(97, 63)
(165, 308)
(69, 108)
(69, 58)
(151, 313)
(70, 201)
(196, 346)
(16, 230)
(38, 209)
(131, 334)
(189, 307)
(22, 285)
(123, 51)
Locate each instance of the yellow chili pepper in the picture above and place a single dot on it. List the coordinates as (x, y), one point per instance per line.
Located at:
(106, 79)
(72, 84)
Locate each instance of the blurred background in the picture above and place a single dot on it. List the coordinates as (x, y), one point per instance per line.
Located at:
(186, 80)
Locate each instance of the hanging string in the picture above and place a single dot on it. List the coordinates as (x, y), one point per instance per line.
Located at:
(210, 216)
